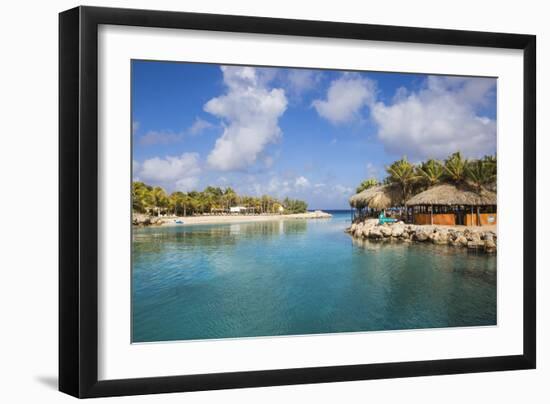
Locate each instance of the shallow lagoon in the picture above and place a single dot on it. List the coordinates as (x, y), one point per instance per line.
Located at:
(293, 277)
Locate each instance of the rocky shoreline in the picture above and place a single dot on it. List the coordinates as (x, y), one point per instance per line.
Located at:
(141, 219)
(472, 238)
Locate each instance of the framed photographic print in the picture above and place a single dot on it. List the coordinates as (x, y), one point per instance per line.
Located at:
(251, 201)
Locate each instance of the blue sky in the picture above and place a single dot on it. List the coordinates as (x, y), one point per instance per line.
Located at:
(301, 133)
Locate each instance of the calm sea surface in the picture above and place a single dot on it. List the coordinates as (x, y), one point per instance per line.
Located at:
(299, 277)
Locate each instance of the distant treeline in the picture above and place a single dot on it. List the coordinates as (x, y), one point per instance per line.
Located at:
(154, 200)
(413, 178)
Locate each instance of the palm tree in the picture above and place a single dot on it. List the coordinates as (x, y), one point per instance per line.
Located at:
(214, 196)
(154, 200)
(294, 206)
(480, 172)
(455, 168)
(190, 203)
(206, 201)
(141, 198)
(257, 202)
(177, 202)
(277, 207)
(430, 172)
(266, 202)
(492, 163)
(159, 199)
(229, 197)
(371, 182)
(403, 173)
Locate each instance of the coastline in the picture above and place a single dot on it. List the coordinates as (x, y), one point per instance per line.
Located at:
(223, 219)
(478, 238)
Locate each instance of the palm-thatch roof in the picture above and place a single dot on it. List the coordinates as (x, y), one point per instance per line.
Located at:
(449, 194)
(378, 198)
(491, 187)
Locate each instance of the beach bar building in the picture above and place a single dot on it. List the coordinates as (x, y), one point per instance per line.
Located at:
(241, 210)
(449, 204)
(374, 200)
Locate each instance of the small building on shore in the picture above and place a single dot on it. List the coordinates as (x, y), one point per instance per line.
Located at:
(242, 210)
(449, 204)
(374, 200)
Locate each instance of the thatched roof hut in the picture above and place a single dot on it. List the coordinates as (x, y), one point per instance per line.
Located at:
(377, 198)
(491, 187)
(452, 195)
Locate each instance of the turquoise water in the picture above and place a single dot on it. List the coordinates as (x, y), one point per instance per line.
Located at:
(299, 277)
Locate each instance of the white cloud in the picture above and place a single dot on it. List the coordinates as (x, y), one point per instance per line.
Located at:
(372, 171)
(276, 186)
(186, 184)
(199, 126)
(470, 90)
(346, 96)
(250, 112)
(173, 172)
(299, 81)
(135, 167)
(342, 190)
(135, 127)
(160, 137)
(268, 161)
(330, 193)
(438, 120)
(281, 187)
(302, 182)
(169, 137)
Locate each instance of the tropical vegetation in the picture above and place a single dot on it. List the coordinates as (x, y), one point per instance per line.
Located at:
(154, 200)
(368, 183)
(455, 169)
(403, 173)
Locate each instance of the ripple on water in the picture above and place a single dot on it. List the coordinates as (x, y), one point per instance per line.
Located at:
(299, 277)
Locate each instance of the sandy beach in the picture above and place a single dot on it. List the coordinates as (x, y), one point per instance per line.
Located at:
(215, 219)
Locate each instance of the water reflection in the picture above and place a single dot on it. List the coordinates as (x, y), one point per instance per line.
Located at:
(299, 277)
(158, 239)
(273, 228)
(213, 234)
(441, 257)
(265, 229)
(294, 226)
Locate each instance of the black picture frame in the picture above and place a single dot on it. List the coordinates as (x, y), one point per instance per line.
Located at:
(78, 201)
